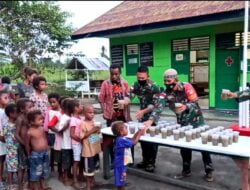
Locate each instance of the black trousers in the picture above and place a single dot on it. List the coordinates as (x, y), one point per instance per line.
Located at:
(149, 152)
(186, 155)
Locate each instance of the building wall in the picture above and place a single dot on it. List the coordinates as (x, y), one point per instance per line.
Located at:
(162, 51)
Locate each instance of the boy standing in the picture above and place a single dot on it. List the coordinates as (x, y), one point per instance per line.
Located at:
(37, 149)
(91, 146)
(123, 155)
(24, 105)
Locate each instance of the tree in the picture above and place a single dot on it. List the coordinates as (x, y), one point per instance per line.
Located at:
(31, 29)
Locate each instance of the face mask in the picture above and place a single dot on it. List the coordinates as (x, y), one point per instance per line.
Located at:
(142, 82)
(170, 86)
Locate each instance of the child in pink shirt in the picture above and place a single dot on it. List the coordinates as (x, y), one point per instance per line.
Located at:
(75, 110)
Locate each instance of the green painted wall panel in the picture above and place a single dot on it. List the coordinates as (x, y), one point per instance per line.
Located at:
(162, 51)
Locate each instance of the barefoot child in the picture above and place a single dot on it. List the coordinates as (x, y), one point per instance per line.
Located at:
(122, 151)
(52, 116)
(67, 154)
(91, 145)
(4, 100)
(75, 110)
(11, 143)
(37, 149)
(24, 105)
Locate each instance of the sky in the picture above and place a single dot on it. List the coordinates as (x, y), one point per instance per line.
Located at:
(84, 12)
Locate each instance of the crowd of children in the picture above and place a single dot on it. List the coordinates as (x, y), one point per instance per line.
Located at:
(40, 130)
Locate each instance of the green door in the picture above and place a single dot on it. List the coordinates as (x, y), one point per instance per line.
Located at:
(181, 62)
(227, 76)
(132, 59)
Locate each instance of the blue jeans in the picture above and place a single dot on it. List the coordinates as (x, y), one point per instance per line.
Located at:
(39, 165)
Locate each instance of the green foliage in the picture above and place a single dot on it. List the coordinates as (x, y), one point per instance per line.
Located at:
(30, 29)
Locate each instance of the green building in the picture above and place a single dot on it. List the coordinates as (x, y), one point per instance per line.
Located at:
(202, 40)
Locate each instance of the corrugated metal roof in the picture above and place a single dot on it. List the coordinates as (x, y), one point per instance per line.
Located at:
(138, 13)
(92, 64)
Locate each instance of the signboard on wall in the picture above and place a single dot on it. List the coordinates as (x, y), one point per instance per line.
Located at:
(117, 54)
(146, 54)
(79, 86)
(179, 57)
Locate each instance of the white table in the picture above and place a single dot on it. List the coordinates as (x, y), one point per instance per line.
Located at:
(241, 149)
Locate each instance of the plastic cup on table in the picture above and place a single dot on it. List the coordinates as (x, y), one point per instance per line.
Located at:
(182, 132)
(236, 136)
(157, 130)
(210, 136)
(230, 135)
(204, 138)
(215, 139)
(176, 133)
(194, 133)
(164, 133)
(225, 140)
(198, 132)
(152, 131)
(188, 135)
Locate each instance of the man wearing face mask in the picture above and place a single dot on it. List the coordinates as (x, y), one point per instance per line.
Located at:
(145, 89)
(182, 99)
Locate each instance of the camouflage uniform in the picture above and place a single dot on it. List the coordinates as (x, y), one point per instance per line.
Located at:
(183, 93)
(145, 95)
(243, 95)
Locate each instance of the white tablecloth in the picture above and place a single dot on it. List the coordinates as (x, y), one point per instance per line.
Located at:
(242, 148)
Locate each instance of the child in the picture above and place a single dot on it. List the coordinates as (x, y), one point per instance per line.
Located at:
(37, 150)
(66, 153)
(4, 100)
(39, 98)
(52, 114)
(91, 145)
(24, 105)
(122, 151)
(54, 126)
(25, 89)
(75, 110)
(11, 142)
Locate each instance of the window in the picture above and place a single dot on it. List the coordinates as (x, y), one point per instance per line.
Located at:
(117, 54)
(144, 50)
(180, 45)
(146, 54)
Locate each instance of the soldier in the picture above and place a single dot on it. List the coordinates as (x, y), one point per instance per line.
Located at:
(145, 89)
(243, 164)
(187, 112)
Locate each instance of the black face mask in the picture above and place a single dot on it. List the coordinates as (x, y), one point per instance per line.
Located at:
(142, 82)
(170, 86)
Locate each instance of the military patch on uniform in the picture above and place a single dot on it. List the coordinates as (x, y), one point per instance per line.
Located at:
(190, 92)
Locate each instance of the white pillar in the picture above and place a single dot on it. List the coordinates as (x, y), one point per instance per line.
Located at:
(245, 105)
